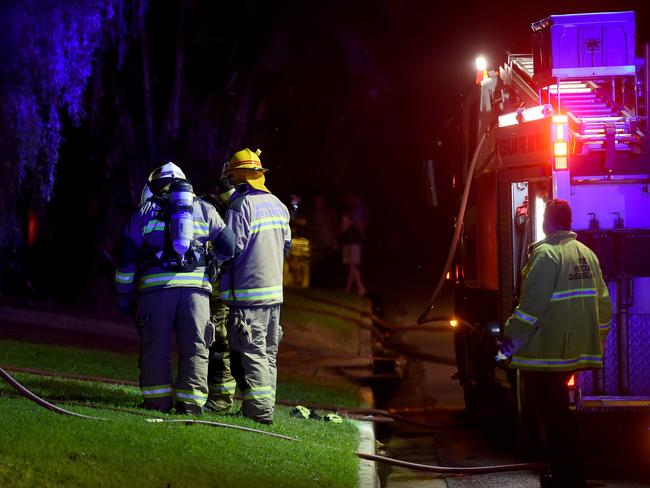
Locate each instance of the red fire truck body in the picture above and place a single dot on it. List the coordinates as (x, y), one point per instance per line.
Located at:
(570, 122)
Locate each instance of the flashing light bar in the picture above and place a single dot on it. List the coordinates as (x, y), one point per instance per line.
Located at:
(526, 115)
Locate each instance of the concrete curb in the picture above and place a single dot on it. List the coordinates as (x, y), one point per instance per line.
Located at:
(368, 477)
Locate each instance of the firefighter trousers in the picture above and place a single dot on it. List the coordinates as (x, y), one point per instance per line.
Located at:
(552, 405)
(220, 380)
(185, 313)
(254, 335)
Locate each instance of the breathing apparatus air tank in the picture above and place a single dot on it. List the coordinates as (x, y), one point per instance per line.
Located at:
(181, 221)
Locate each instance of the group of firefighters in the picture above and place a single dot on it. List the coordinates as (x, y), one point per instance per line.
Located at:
(209, 271)
(216, 284)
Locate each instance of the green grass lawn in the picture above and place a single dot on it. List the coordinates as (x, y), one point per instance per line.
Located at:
(336, 326)
(40, 448)
(322, 311)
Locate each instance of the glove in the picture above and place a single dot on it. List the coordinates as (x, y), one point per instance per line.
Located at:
(502, 360)
(500, 357)
(125, 304)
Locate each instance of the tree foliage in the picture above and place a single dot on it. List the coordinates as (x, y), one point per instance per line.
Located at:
(48, 51)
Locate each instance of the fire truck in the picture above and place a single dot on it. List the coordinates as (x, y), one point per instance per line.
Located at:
(567, 121)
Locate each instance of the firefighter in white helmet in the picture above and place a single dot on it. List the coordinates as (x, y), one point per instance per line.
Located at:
(251, 285)
(165, 248)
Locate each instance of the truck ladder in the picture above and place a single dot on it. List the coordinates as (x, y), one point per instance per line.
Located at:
(593, 119)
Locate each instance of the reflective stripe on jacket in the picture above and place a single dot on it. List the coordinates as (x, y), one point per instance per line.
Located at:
(564, 310)
(260, 223)
(145, 229)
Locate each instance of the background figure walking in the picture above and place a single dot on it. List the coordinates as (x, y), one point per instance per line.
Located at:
(353, 227)
(321, 227)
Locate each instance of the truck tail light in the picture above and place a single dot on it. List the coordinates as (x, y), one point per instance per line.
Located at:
(560, 156)
(560, 146)
(572, 381)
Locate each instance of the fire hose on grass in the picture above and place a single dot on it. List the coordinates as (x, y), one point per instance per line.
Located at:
(365, 414)
(62, 411)
(452, 470)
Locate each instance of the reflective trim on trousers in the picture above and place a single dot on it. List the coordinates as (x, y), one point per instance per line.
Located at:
(190, 396)
(228, 387)
(258, 392)
(158, 391)
(124, 278)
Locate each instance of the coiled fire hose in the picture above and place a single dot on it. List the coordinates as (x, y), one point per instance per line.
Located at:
(452, 470)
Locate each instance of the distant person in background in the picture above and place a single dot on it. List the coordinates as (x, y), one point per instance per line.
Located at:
(321, 228)
(353, 227)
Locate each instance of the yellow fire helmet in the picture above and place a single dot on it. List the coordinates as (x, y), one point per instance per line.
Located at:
(245, 167)
(246, 159)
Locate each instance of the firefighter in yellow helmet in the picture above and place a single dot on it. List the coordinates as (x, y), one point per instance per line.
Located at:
(251, 284)
(163, 256)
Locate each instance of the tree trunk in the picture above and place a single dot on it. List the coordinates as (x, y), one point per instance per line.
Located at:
(146, 82)
(174, 110)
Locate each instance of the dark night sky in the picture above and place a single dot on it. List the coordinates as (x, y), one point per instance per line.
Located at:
(339, 95)
(354, 94)
(419, 61)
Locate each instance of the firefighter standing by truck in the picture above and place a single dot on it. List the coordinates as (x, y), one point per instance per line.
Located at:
(558, 328)
(251, 284)
(165, 249)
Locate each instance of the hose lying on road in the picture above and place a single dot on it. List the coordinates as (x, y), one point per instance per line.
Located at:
(499, 468)
(371, 457)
